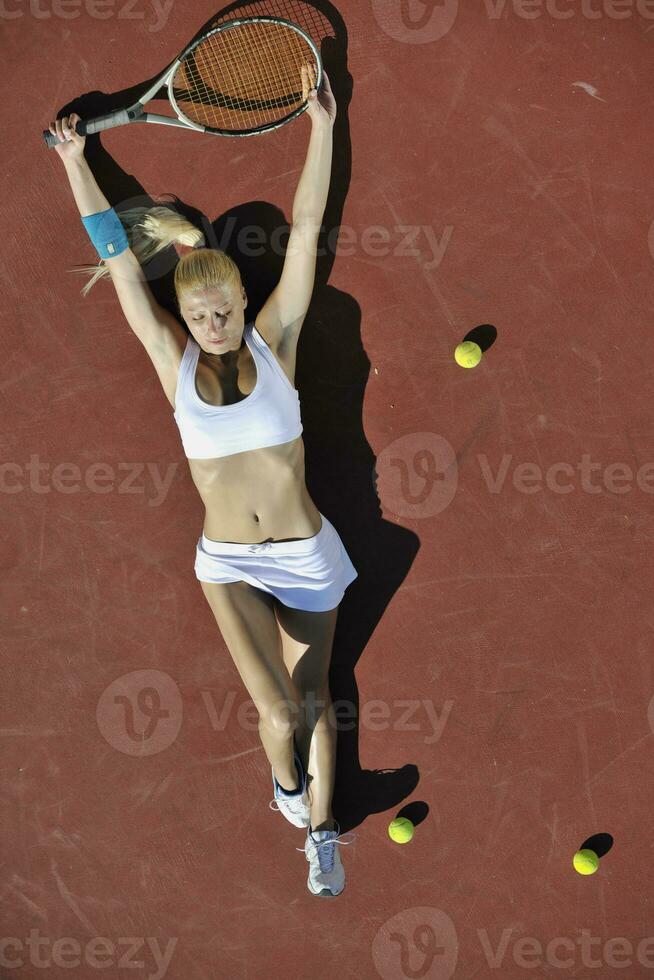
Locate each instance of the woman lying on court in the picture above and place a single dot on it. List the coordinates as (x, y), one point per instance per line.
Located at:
(271, 566)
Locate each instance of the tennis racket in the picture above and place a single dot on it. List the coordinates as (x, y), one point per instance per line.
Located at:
(239, 78)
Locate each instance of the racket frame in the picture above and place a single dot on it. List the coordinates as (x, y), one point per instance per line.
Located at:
(135, 113)
(229, 25)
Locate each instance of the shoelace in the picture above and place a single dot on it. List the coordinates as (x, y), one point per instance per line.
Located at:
(264, 546)
(326, 857)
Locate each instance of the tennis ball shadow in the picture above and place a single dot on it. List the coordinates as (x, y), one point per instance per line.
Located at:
(600, 843)
(484, 335)
(416, 812)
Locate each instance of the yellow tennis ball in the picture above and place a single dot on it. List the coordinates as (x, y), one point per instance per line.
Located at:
(468, 354)
(585, 861)
(400, 830)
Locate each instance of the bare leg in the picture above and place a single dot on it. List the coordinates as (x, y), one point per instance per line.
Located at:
(307, 639)
(321, 726)
(279, 748)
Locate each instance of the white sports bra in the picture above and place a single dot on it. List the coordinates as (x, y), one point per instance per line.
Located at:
(268, 416)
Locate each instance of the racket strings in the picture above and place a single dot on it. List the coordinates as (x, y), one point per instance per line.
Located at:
(216, 70)
(283, 75)
(269, 82)
(278, 53)
(311, 20)
(243, 77)
(236, 70)
(269, 74)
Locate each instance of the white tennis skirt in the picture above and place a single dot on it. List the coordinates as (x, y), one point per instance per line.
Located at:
(310, 574)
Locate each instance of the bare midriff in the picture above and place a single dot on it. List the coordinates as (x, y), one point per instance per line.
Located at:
(256, 496)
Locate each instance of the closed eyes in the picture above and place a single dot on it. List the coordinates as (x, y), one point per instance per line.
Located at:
(196, 319)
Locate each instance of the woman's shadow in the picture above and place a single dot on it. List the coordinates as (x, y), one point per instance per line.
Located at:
(331, 376)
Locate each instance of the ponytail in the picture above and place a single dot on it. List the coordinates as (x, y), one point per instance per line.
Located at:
(149, 231)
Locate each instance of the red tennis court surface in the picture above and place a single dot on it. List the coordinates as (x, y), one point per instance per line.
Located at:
(493, 660)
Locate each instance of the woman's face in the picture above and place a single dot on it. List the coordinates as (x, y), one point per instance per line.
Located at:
(215, 317)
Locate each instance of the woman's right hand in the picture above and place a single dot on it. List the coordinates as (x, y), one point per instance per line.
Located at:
(64, 129)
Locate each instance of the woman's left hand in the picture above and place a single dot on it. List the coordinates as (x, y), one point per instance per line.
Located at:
(322, 104)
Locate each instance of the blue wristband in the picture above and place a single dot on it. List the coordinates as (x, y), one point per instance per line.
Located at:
(106, 233)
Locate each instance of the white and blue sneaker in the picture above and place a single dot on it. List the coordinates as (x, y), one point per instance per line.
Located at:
(295, 806)
(326, 873)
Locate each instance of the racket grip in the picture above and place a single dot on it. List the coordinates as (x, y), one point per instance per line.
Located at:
(118, 118)
(84, 126)
(51, 139)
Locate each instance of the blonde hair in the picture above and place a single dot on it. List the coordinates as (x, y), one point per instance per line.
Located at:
(151, 230)
(205, 267)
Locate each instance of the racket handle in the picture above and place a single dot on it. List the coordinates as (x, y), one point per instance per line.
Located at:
(118, 118)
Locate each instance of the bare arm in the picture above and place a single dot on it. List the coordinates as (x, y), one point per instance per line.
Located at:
(149, 321)
(313, 187)
(287, 305)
